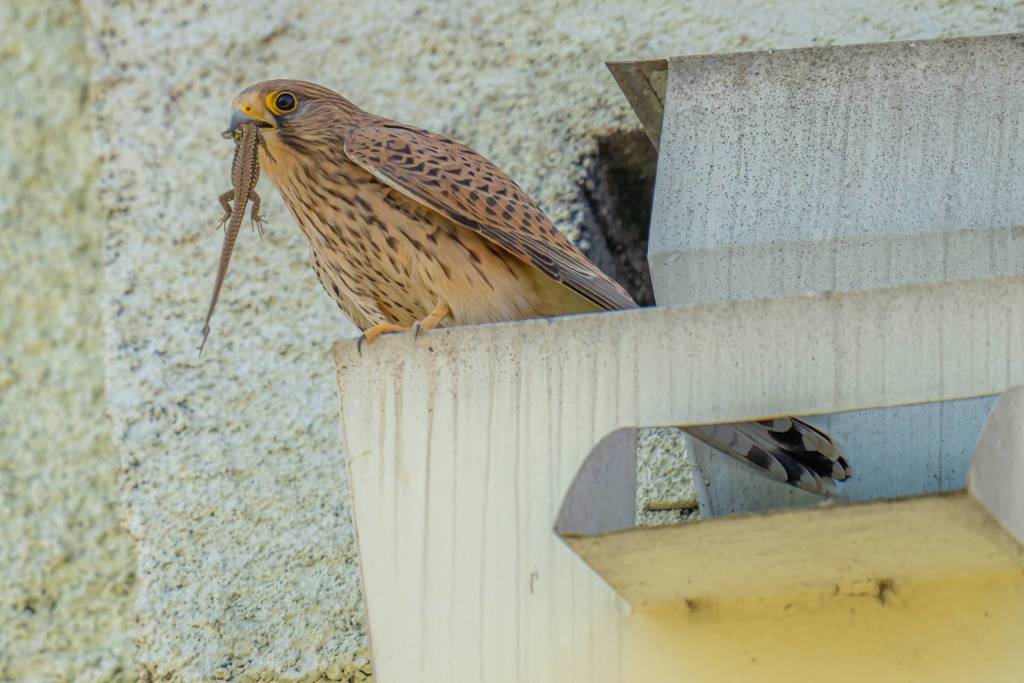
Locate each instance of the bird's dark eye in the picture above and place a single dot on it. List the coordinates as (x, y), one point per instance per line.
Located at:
(282, 102)
(285, 101)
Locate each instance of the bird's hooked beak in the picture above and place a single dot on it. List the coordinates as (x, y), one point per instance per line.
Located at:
(248, 107)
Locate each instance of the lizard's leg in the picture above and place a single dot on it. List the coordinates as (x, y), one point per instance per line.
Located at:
(254, 215)
(225, 203)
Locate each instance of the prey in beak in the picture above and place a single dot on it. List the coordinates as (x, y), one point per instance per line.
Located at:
(248, 108)
(245, 172)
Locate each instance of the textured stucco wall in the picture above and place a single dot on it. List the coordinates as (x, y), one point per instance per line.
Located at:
(66, 572)
(234, 483)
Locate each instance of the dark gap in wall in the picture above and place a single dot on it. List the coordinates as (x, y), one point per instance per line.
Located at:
(618, 192)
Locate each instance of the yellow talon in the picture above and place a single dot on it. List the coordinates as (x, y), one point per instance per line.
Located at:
(369, 336)
(436, 317)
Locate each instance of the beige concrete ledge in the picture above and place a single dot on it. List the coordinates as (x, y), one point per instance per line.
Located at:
(463, 444)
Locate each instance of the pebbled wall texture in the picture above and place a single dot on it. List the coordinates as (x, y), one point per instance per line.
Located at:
(232, 478)
(66, 571)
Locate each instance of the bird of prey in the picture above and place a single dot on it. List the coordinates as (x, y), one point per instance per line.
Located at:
(410, 230)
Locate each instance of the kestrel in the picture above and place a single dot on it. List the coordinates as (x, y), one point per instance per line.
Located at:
(410, 230)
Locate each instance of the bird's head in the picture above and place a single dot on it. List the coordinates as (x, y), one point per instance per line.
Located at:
(293, 115)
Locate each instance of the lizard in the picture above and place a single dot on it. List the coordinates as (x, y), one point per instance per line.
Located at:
(245, 171)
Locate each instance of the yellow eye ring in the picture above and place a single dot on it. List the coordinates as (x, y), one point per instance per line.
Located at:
(281, 102)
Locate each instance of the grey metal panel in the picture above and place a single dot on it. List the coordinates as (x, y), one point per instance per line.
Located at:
(644, 85)
(839, 168)
(997, 470)
(602, 497)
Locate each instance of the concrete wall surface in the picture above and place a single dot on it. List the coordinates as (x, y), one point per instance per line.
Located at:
(66, 571)
(233, 481)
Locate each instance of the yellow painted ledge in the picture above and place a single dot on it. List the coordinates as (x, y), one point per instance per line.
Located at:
(964, 630)
(789, 552)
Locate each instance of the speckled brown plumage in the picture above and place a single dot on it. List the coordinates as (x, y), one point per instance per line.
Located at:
(401, 220)
(408, 229)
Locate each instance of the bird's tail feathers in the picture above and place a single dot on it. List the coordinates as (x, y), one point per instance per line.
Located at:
(785, 449)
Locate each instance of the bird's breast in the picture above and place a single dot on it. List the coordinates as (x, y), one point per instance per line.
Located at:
(384, 258)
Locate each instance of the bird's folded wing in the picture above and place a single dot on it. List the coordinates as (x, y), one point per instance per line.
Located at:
(453, 180)
(468, 189)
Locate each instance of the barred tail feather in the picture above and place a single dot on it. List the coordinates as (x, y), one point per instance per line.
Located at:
(785, 449)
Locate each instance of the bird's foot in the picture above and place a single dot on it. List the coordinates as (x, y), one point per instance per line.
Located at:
(436, 317)
(369, 336)
(440, 312)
